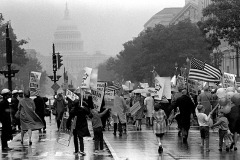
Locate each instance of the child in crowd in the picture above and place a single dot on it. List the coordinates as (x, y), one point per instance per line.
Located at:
(97, 128)
(222, 123)
(203, 121)
(159, 125)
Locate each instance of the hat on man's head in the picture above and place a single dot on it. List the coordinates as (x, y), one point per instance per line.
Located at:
(14, 91)
(20, 91)
(5, 91)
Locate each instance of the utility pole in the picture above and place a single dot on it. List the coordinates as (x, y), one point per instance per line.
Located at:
(9, 73)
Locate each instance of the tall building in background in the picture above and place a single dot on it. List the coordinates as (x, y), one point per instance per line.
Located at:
(191, 10)
(68, 42)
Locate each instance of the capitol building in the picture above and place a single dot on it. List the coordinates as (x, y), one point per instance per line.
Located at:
(68, 42)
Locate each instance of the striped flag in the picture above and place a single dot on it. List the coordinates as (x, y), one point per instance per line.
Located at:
(204, 72)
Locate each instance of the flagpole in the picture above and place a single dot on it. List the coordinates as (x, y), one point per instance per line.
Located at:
(188, 67)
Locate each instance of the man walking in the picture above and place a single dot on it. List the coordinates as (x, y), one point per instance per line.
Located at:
(120, 109)
(5, 119)
(149, 104)
(186, 108)
(40, 108)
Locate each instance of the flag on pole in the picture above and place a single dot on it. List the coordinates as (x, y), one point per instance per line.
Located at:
(204, 72)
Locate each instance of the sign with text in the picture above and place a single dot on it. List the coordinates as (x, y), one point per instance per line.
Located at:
(71, 95)
(34, 83)
(97, 96)
(228, 80)
(135, 108)
(159, 87)
(86, 77)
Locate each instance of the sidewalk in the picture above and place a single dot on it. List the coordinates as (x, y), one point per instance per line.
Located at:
(142, 145)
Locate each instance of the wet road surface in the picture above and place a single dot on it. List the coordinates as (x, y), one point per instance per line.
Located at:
(46, 147)
(142, 145)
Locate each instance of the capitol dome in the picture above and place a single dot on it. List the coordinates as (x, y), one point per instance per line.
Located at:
(67, 37)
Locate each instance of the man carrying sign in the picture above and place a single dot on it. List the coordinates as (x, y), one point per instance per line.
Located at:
(119, 112)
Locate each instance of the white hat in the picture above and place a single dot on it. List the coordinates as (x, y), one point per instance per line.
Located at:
(4, 91)
(14, 91)
(20, 91)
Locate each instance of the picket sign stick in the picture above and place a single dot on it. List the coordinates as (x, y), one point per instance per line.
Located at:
(81, 91)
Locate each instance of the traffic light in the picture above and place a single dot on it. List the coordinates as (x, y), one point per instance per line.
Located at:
(54, 59)
(8, 47)
(59, 61)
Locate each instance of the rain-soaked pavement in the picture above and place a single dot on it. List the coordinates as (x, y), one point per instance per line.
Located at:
(142, 145)
(135, 145)
(46, 148)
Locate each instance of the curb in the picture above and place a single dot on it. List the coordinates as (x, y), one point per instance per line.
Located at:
(113, 153)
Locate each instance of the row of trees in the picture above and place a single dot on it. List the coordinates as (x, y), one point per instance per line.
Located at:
(163, 46)
(25, 64)
(160, 48)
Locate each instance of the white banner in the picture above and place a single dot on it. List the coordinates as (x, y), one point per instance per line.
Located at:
(97, 96)
(34, 83)
(228, 80)
(159, 87)
(71, 95)
(86, 77)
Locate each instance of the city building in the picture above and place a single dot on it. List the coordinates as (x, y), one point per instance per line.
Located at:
(193, 11)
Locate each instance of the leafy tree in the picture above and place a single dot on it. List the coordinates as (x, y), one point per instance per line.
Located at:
(18, 53)
(222, 21)
(104, 74)
(160, 47)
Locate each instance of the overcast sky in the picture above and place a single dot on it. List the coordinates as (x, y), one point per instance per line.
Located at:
(104, 24)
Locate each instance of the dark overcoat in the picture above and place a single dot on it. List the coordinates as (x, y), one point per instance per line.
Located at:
(81, 123)
(5, 119)
(186, 107)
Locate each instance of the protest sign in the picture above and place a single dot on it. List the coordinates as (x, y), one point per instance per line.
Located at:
(86, 77)
(228, 80)
(135, 108)
(34, 83)
(97, 97)
(159, 87)
(71, 95)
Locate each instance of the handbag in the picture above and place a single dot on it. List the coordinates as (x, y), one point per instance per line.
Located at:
(17, 114)
(46, 112)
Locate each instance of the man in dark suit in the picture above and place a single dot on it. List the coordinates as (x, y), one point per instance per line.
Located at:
(186, 107)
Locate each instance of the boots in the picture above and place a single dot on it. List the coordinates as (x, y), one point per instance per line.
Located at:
(115, 128)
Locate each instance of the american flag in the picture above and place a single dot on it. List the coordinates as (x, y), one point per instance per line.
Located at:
(204, 72)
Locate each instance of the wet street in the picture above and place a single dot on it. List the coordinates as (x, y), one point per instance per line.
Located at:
(47, 148)
(135, 145)
(143, 145)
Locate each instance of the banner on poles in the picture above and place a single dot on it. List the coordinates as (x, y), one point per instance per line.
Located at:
(97, 96)
(159, 87)
(229, 80)
(135, 108)
(34, 83)
(71, 95)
